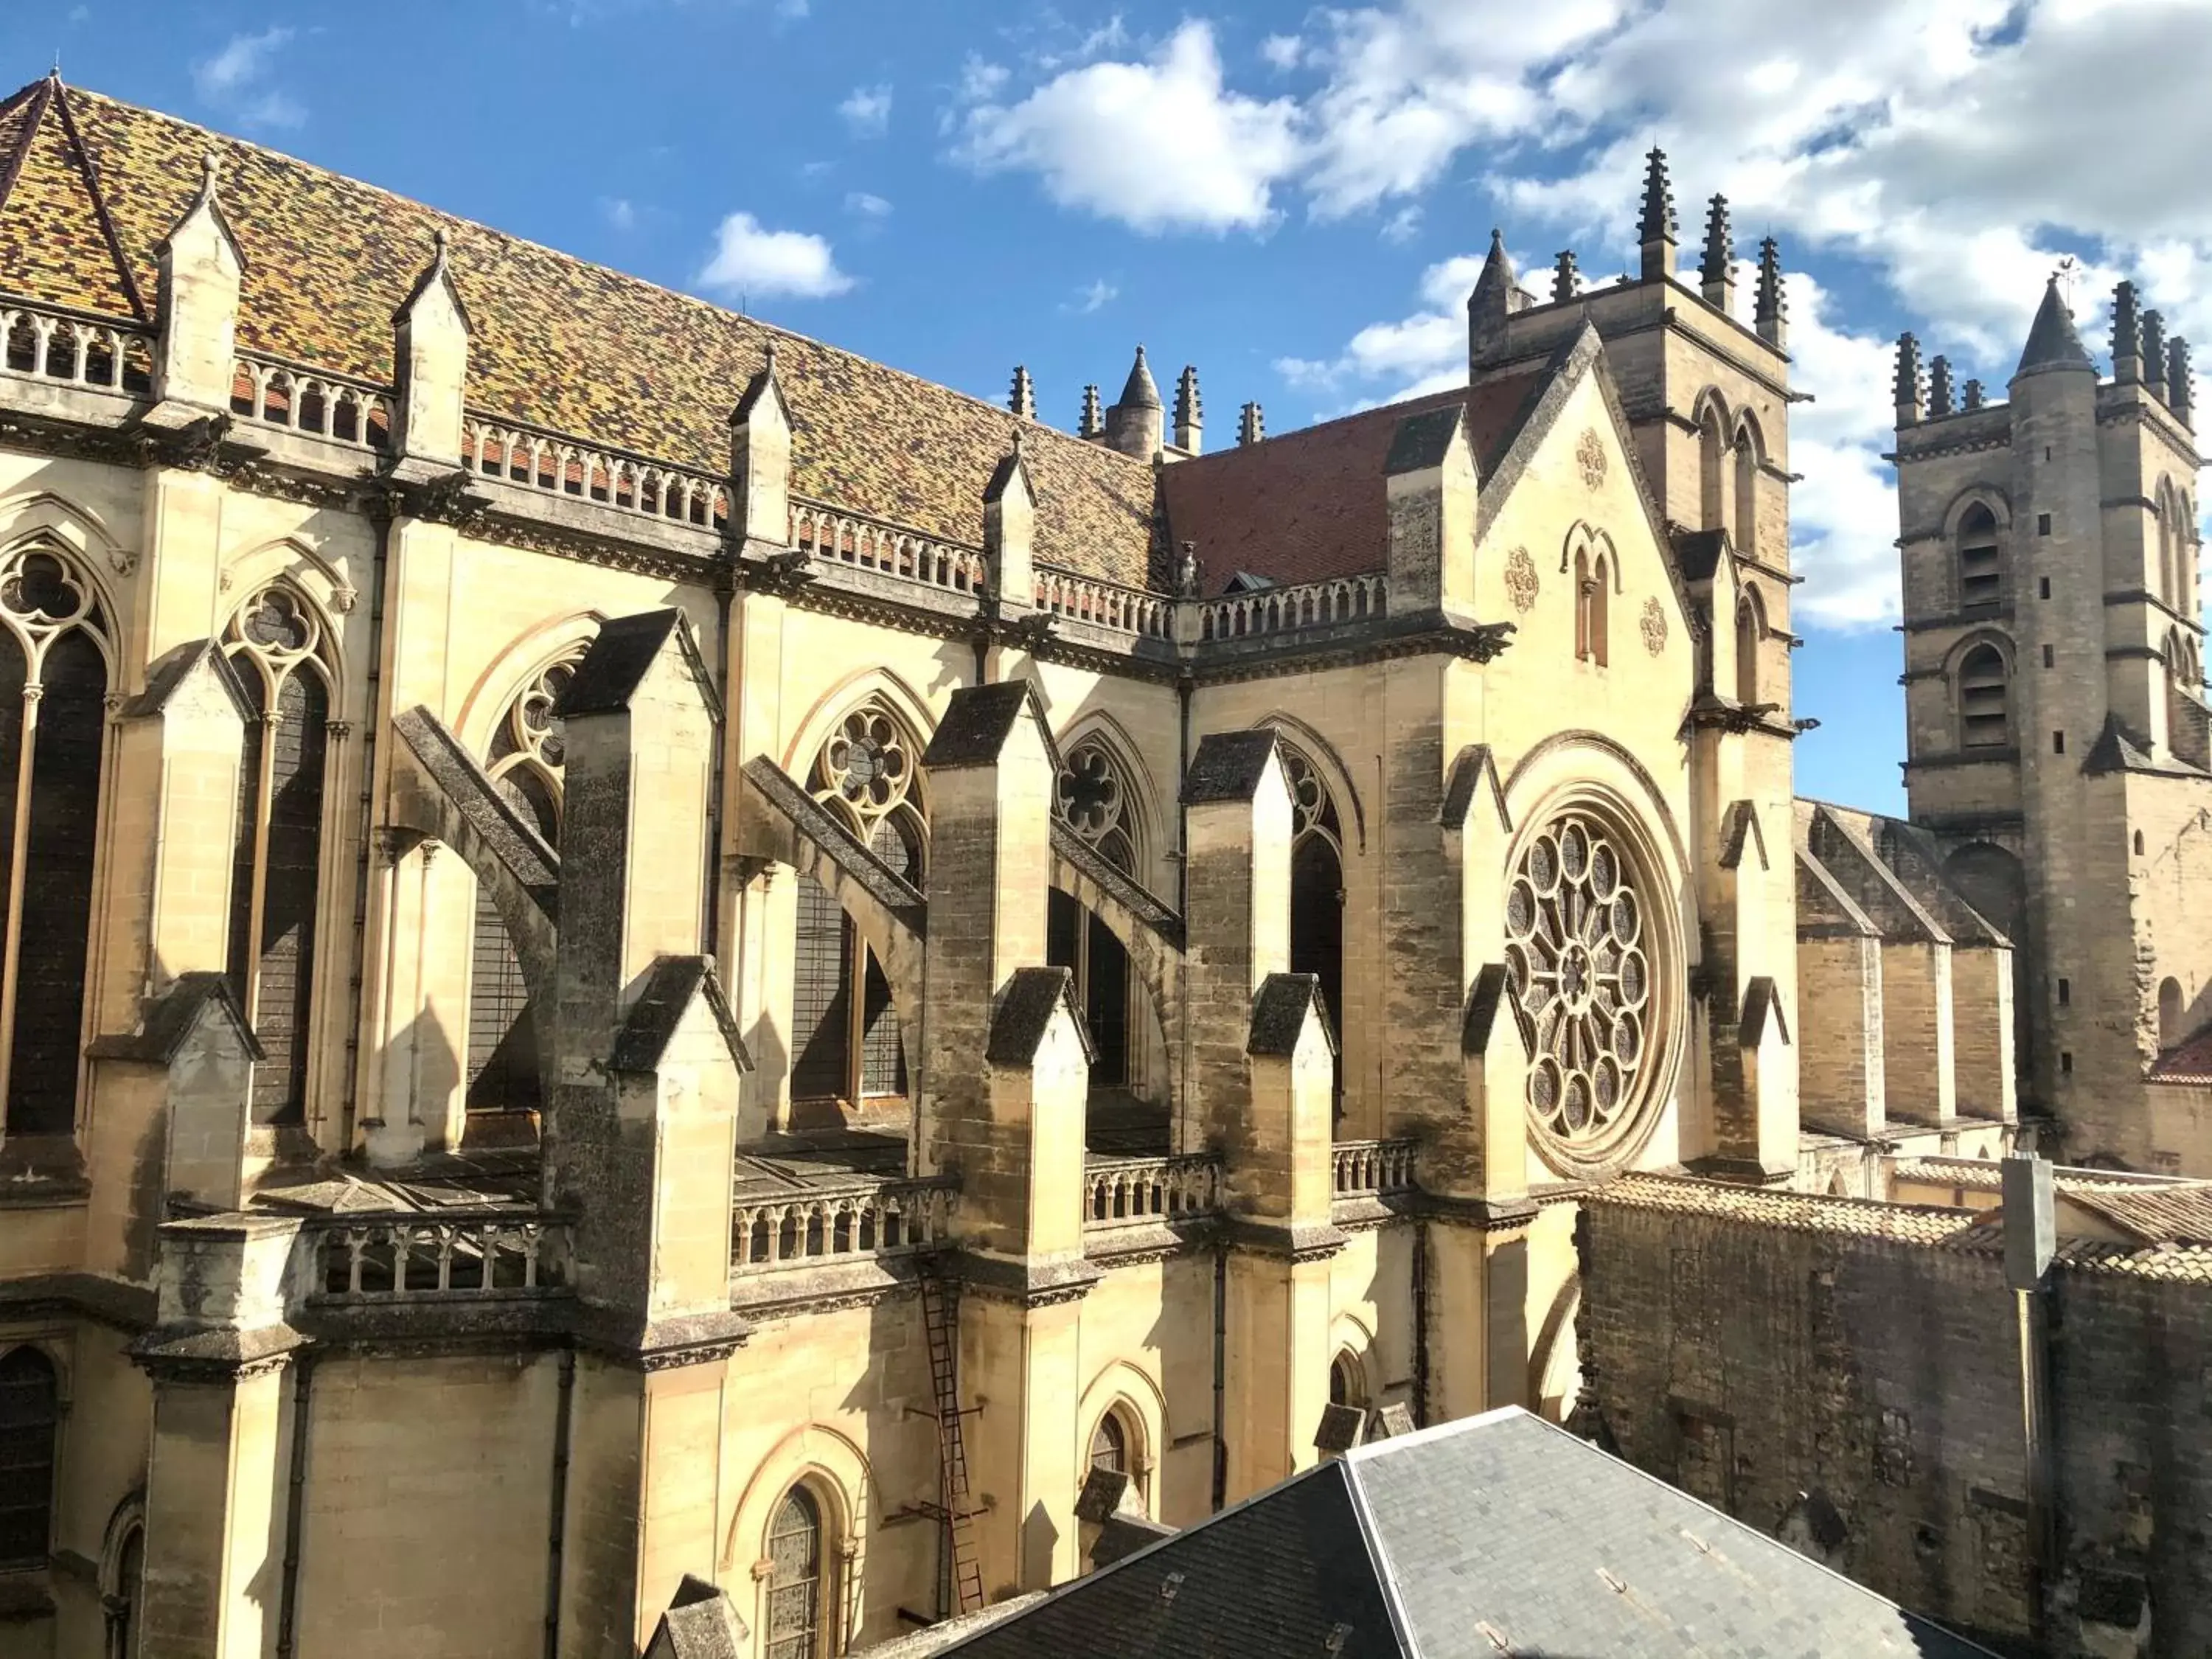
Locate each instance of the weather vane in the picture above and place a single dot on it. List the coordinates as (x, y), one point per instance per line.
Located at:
(2064, 277)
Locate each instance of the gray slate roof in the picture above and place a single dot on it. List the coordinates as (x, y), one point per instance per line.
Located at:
(1423, 1545)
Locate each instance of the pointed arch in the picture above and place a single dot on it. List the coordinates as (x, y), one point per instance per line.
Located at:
(1154, 828)
(1327, 762)
(1981, 669)
(1750, 638)
(1750, 457)
(1709, 415)
(833, 1472)
(522, 658)
(1095, 799)
(309, 568)
(825, 713)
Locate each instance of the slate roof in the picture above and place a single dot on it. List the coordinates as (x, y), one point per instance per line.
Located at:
(89, 186)
(1496, 1534)
(1310, 504)
(2052, 341)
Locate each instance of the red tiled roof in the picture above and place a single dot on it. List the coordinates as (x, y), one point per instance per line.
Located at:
(2179, 1215)
(1310, 504)
(2187, 1062)
(558, 342)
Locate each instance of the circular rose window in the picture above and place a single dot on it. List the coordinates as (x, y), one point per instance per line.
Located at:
(1581, 969)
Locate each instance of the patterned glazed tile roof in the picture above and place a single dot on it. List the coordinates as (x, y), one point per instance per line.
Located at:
(1310, 504)
(560, 342)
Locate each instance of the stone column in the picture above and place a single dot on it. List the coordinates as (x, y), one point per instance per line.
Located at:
(220, 1466)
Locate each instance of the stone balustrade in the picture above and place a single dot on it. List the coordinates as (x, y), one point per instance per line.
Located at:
(1105, 605)
(822, 1226)
(1363, 1168)
(272, 392)
(835, 537)
(1121, 1192)
(1286, 610)
(441, 1256)
(49, 344)
(557, 465)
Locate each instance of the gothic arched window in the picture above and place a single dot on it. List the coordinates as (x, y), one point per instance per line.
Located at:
(1747, 633)
(1981, 559)
(525, 763)
(1593, 577)
(1712, 470)
(53, 723)
(1984, 716)
(868, 775)
(1347, 1380)
(1117, 1446)
(275, 643)
(801, 1611)
(1096, 800)
(30, 1421)
(1748, 454)
(1316, 881)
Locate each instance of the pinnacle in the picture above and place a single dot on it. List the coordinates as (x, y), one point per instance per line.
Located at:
(2052, 341)
(1139, 392)
(1719, 264)
(1658, 223)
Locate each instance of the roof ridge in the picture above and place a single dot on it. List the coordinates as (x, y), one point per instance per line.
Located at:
(90, 170)
(40, 91)
(614, 271)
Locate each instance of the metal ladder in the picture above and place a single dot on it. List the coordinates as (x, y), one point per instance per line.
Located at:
(940, 1317)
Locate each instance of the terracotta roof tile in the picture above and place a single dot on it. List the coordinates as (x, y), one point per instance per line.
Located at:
(560, 342)
(2187, 1062)
(2180, 1214)
(1309, 504)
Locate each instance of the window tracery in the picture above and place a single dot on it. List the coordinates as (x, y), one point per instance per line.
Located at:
(277, 644)
(1579, 965)
(1316, 881)
(799, 1604)
(53, 690)
(1094, 799)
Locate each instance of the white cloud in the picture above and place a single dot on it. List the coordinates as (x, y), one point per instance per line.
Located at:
(1092, 296)
(232, 79)
(1282, 52)
(868, 204)
(866, 112)
(751, 262)
(619, 211)
(792, 10)
(1161, 144)
(1403, 225)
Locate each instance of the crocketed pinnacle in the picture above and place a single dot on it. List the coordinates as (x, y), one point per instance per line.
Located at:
(2127, 334)
(1188, 409)
(1771, 304)
(2052, 341)
(1092, 420)
(1908, 396)
(1251, 425)
(1939, 386)
(2180, 395)
(1719, 264)
(1658, 223)
(1022, 399)
(1566, 278)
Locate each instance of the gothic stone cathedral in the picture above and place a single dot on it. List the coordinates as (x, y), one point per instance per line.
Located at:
(636, 946)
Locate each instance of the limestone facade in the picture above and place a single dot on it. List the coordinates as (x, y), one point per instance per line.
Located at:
(637, 948)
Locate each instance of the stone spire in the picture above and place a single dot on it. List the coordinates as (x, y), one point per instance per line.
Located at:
(1023, 398)
(1090, 423)
(2154, 351)
(1939, 387)
(1909, 402)
(1133, 424)
(1251, 426)
(1189, 412)
(2126, 336)
(1770, 309)
(1490, 305)
(2052, 343)
(1717, 275)
(1656, 230)
(1566, 278)
(2180, 396)
(1974, 397)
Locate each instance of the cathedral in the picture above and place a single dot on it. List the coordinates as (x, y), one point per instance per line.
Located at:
(637, 949)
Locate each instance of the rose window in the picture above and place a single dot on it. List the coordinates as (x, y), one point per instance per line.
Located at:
(1581, 974)
(865, 764)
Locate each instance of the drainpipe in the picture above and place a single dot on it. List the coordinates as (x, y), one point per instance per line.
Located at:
(288, 1604)
(2030, 1241)
(556, 1538)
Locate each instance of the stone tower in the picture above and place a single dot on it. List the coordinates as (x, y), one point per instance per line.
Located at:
(1706, 399)
(2056, 738)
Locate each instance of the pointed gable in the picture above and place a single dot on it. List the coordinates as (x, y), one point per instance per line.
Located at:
(56, 241)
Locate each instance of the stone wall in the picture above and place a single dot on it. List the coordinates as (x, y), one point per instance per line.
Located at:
(1824, 1374)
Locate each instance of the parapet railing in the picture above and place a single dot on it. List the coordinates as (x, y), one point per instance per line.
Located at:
(1121, 1192)
(439, 1256)
(536, 458)
(1105, 605)
(1286, 610)
(837, 536)
(1376, 1167)
(52, 345)
(847, 1222)
(272, 392)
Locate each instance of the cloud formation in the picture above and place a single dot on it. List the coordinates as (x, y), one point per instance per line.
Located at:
(866, 112)
(234, 80)
(751, 262)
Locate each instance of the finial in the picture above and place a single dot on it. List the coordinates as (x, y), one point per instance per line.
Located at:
(442, 237)
(1092, 420)
(1975, 397)
(1022, 398)
(1566, 280)
(1939, 387)
(1251, 426)
(2126, 336)
(2154, 351)
(1909, 400)
(1769, 306)
(2180, 396)
(1656, 227)
(1717, 275)
(1017, 442)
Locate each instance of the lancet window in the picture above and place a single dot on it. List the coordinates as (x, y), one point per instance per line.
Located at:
(1096, 800)
(1316, 880)
(525, 763)
(801, 1606)
(53, 690)
(868, 775)
(277, 644)
(30, 1419)
(1984, 699)
(1748, 456)
(1981, 560)
(1593, 580)
(1748, 634)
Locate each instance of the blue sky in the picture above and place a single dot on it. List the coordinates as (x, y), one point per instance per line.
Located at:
(1294, 199)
